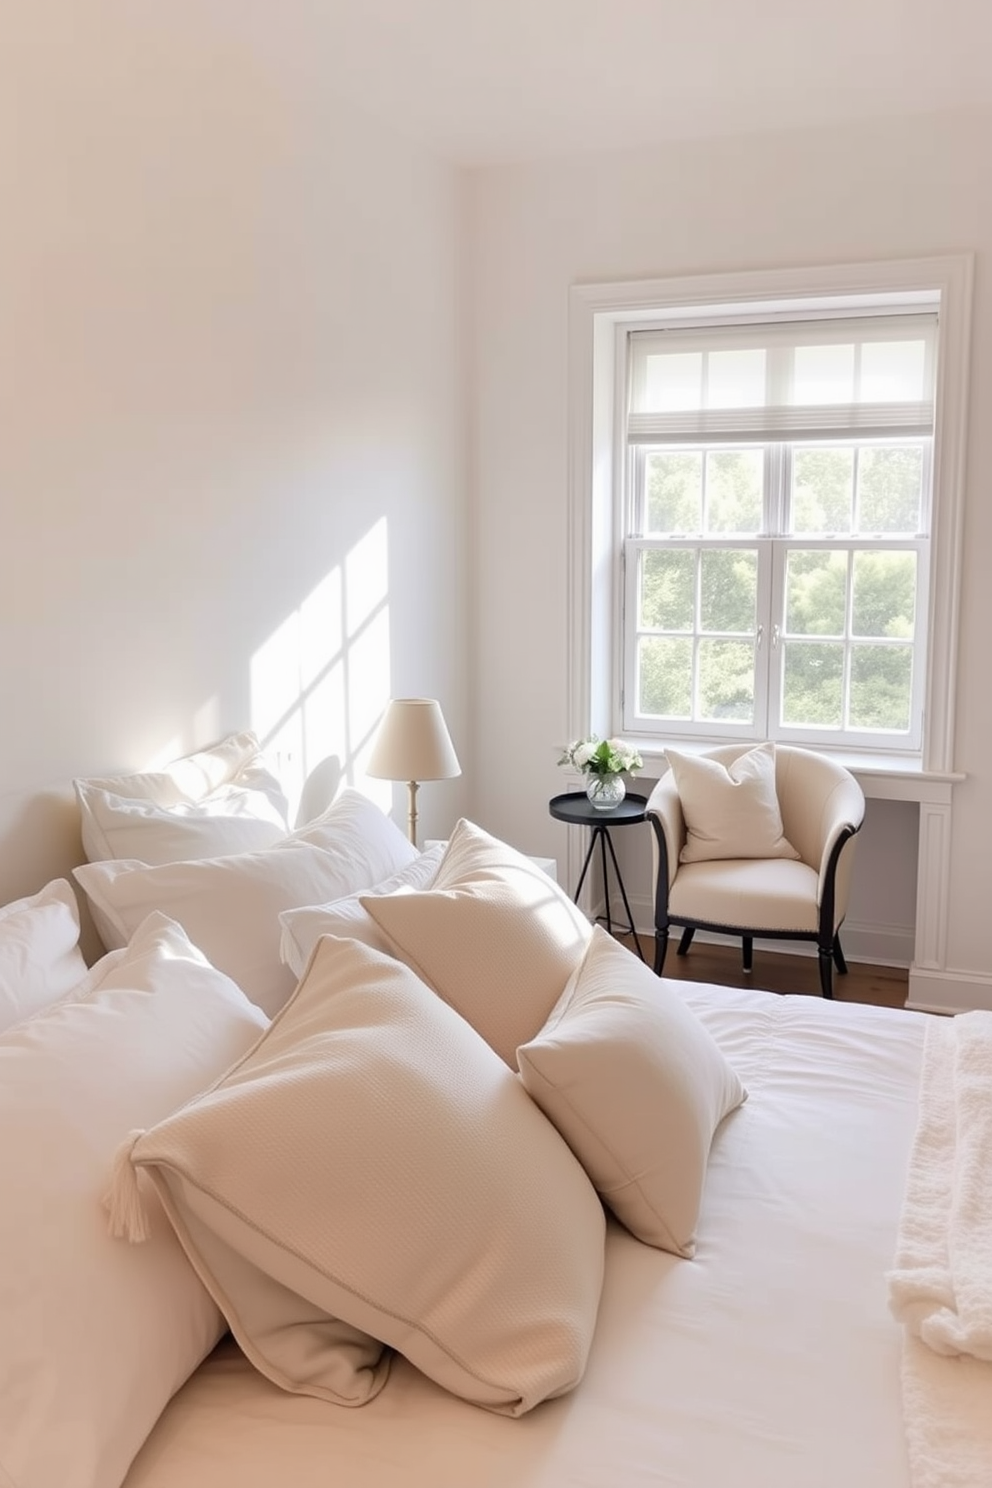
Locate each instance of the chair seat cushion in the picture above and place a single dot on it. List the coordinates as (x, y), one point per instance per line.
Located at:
(778, 894)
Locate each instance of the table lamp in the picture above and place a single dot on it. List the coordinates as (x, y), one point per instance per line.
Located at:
(413, 744)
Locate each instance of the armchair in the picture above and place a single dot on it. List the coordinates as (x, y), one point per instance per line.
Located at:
(822, 809)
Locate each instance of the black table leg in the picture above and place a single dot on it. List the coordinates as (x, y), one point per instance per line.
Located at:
(585, 865)
(623, 892)
(606, 842)
(604, 838)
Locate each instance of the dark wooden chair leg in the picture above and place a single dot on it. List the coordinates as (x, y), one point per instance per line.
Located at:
(686, 940)
(839, 961)
(826, 970)
(748, 951)
(660, 950)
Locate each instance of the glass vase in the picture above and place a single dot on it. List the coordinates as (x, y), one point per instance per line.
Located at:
(605, 791)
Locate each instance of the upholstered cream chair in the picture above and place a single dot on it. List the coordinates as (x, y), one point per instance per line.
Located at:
(803, 898)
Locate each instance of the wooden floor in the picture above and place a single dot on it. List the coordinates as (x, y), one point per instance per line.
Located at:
(778, 971)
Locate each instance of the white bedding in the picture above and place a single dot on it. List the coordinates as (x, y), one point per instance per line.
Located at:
(771, 1360)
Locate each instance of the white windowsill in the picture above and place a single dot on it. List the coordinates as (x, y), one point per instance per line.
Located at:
(881, 776)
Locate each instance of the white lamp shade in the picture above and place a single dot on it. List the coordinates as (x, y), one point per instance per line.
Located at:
(413, 743)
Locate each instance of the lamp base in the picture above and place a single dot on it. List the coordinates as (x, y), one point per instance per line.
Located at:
(411, 819)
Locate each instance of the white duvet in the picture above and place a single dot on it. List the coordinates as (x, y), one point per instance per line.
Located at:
(771, 1360)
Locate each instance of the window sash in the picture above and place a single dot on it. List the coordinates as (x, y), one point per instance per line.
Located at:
(770, 637)
(638, 721)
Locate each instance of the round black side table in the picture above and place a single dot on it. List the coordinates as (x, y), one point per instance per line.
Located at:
(575, 808)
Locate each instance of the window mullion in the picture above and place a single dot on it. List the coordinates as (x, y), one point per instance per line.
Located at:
(630, 570)
(765, 681)
(848, 641)
(777, 501)
(770, 584)
(697, 619)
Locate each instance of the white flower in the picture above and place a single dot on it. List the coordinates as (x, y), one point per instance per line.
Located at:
(626, 758)
(598, 756)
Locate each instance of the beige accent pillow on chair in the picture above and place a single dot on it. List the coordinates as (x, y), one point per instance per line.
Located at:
(372, 1170)
(730, 811)
(495, 936)
(637, 1086)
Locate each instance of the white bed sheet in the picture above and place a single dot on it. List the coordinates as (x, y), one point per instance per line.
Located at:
(769, 1361)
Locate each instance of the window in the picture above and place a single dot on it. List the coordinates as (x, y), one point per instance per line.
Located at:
(766, 479)
(777, 481)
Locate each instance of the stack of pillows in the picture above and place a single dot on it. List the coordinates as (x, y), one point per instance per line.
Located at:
(344, 1098)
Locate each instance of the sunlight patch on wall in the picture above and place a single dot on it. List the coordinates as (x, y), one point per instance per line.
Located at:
(206, 727)
(172, 750)
(321, 681)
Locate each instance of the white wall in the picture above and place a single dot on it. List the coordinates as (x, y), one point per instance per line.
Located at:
(905, 188)
(231, 349)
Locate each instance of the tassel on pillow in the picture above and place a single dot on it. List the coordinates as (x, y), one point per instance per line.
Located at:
(128, 1216)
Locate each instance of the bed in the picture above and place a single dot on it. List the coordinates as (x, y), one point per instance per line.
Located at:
(787, 1343)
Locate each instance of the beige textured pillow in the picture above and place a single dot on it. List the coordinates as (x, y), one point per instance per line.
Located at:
(495, 936)
(372, 1160)
(637, 1087)
(730, 811)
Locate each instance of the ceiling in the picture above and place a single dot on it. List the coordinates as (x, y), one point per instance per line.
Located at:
(484, 81)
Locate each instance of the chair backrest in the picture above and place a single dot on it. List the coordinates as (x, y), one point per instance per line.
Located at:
(817, 797)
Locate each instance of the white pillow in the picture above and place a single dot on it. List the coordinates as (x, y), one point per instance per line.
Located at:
(379, 1163)
(230, 906)
(97, 1336)
(40, 959)
(637, 1086)
(229, 820)
(495, 936)
(730, 811)
(219, 800)
(346, 918)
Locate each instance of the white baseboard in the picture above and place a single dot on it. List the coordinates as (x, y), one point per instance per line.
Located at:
(879, 945)
(948, 991)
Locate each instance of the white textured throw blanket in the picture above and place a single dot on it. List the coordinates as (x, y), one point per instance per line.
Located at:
(941, 1284)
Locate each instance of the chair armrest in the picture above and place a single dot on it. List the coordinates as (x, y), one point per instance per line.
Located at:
(841, 813)
(666, 809)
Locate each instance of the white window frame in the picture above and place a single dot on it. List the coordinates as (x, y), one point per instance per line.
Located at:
(596, 508)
